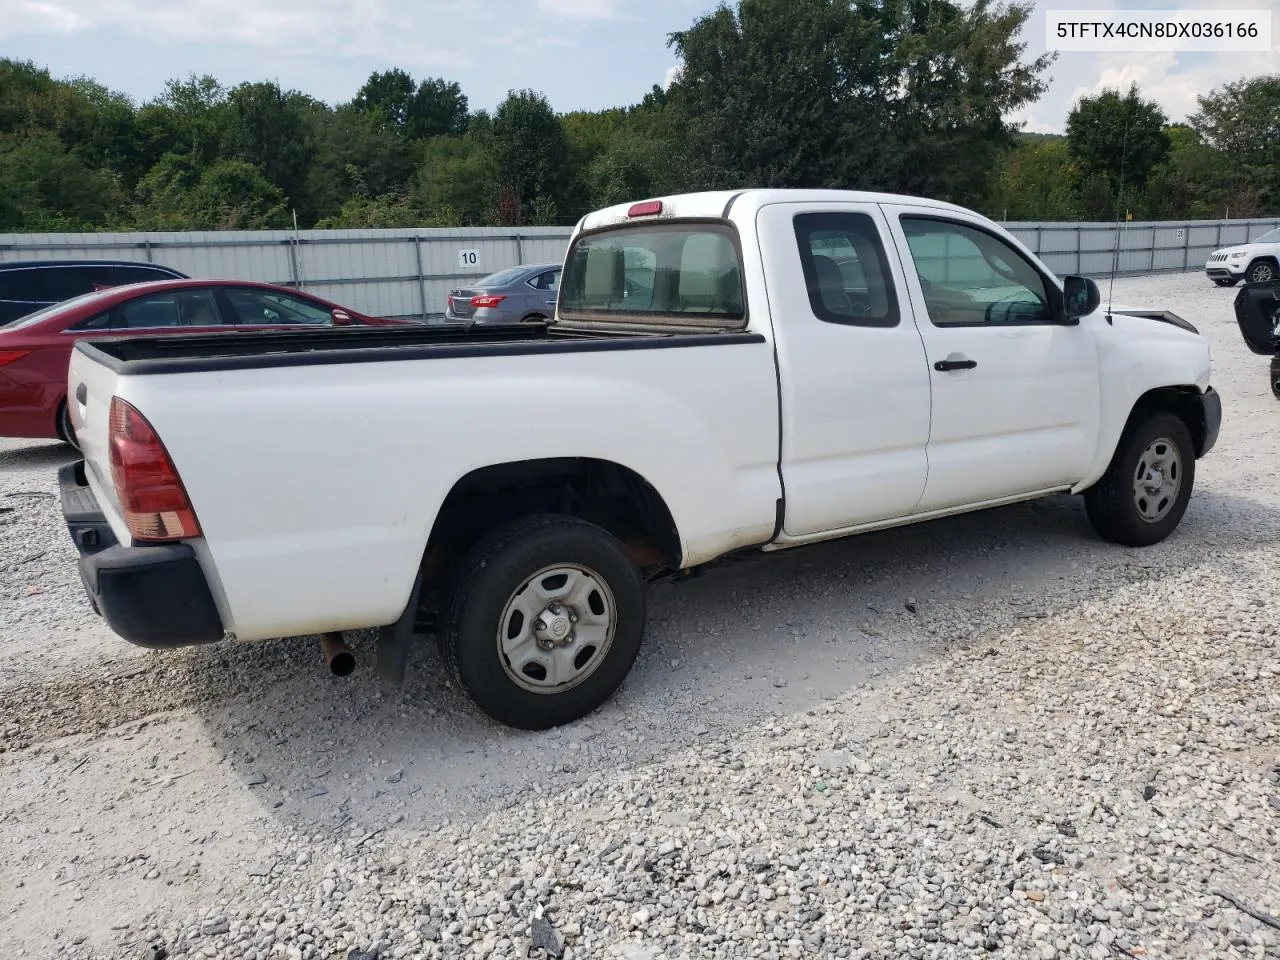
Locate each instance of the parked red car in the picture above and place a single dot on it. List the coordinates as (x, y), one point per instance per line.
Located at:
(36, 350)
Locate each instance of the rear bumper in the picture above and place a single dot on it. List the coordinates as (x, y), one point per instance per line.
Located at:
(1211, 411)
(155, 595)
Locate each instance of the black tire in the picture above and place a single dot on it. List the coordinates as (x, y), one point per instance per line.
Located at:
(66, 432)
(533, 318)
(1227, 281)
(1275, 377)
(1111, 503)
(493, 572)
(1260, 271)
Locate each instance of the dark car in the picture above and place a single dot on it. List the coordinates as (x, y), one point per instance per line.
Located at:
(1258, 316)
(30, 285)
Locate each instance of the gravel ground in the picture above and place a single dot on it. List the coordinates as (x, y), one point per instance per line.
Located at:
(987, 736)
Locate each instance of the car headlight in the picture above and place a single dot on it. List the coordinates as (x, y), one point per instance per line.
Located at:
(1237, 255)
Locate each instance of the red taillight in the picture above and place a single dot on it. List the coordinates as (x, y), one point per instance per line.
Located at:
(152, 498)
(8, 356)
(486, 301)
(646, 209)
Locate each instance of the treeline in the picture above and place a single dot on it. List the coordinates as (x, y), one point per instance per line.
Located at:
(1121, 156)
(895, 95)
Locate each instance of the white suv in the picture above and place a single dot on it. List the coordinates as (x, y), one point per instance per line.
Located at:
(1255, 261)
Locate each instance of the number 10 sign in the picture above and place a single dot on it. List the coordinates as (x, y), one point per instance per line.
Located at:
(467, 259)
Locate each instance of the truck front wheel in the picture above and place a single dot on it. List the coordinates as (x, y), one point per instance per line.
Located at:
(1144, 493)
(544, 621)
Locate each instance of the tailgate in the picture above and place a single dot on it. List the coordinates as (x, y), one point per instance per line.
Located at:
(90, 387)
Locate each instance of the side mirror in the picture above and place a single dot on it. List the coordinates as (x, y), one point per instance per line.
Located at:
(1080, 296)
(341, 318)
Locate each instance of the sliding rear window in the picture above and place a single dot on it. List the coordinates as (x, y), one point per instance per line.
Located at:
(680, 274)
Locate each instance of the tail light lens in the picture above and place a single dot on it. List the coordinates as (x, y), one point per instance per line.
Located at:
(154, 502)
(486, 301)
(8, 356)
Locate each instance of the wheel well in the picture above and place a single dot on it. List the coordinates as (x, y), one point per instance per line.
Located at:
(599, 491)
(1266, 258)
(1182, 402)
(528, 317)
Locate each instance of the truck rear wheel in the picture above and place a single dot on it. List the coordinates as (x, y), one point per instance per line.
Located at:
(544, 621)
(1141, 498)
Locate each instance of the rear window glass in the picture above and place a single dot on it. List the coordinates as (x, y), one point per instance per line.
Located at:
(502, 277)
(687, 273)
(32, 319)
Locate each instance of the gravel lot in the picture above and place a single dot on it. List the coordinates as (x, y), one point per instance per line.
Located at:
(987, 736)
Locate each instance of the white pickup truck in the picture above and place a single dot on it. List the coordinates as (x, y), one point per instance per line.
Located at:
(726, 371)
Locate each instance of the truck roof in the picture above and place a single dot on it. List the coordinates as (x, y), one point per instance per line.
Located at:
(715, 204)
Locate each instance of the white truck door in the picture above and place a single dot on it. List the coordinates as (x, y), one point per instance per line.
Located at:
(1015, 388)
(852, 374)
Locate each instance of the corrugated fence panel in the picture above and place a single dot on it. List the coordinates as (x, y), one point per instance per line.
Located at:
(409, 272)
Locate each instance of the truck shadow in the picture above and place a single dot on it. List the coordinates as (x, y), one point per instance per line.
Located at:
(756, 637)
(35, 456)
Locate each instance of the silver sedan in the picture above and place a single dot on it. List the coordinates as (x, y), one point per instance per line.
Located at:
(516, 295)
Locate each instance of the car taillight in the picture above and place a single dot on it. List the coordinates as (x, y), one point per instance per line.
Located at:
(486, 301)
(152, 498)
(8, 356)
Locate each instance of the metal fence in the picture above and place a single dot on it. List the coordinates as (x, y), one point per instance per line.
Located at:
(1089, 249)
(388, 273)
(408, 272)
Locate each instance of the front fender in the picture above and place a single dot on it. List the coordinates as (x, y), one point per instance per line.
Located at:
(1136, 356)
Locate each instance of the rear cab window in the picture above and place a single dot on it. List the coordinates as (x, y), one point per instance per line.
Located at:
(668, 275)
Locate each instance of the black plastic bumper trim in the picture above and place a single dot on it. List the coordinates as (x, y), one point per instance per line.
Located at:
(153, 596)
(1211, 410)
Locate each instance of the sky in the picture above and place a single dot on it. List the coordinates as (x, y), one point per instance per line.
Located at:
(583, 54)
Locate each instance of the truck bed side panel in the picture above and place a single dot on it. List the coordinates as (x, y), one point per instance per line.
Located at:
(317, 485)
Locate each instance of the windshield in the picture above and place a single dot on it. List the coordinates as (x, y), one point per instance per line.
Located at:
(32, 319)
(686, 272)
(1270, 237)
(502, 277)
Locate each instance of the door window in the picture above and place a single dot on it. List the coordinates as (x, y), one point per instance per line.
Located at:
(548, 281)
(845, 269)
(173, 308)
(970, 277)
(269, 308)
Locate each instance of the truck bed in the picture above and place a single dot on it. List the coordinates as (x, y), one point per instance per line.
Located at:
(194, 353)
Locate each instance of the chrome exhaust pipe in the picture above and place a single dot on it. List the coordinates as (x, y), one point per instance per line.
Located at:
(337, 654)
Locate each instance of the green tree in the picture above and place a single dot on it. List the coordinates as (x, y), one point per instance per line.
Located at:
(438, 109)
(1035, 182)
(899, 94)
(457, 180)
(387, 98)
(355, 156)
(267, 128)
(1117, 137)
(45, 187)
(530, 148)
(1241, 122)
(235, 195)
(374, 213)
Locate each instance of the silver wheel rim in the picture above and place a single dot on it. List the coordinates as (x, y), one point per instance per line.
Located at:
(1262, 272)
(1157, 480)
(557, 628)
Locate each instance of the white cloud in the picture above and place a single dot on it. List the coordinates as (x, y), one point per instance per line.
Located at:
(405, 32)
(580, 9)
(672, 75)
(1173, 80)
